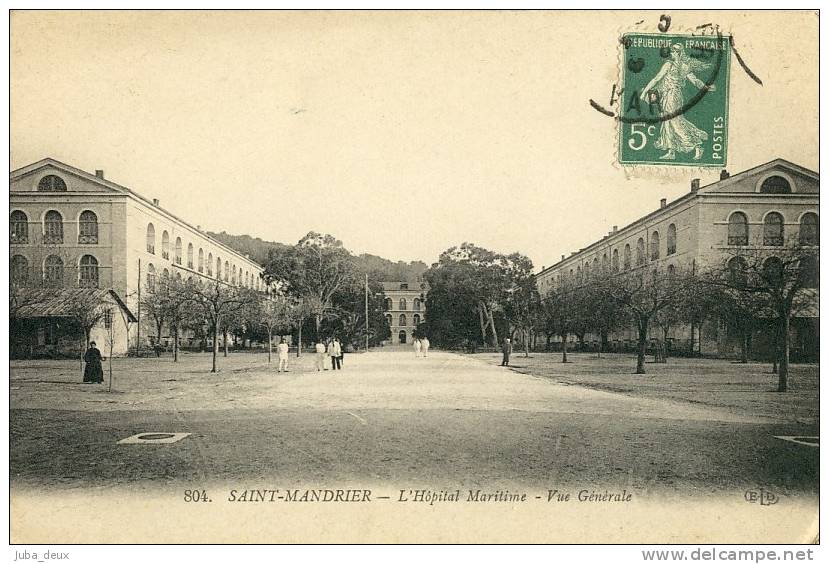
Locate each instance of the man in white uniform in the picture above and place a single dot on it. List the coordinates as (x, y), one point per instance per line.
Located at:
(320, 350)
(282, 348)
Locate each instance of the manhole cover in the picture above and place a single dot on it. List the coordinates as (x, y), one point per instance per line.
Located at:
(153, 438)
(805, 441)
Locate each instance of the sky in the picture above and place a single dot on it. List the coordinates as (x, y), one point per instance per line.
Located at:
(402, 134)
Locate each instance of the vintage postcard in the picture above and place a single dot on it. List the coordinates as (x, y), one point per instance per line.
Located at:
(413, 277)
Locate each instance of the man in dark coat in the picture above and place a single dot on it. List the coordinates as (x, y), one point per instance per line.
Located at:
(506, 348)
(94, 372)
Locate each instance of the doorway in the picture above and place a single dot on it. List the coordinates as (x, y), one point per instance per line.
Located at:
(401, 337)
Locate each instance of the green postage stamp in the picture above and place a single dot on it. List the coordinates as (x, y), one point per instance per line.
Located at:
(674, 100)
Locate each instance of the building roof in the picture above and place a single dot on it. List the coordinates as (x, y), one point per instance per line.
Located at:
(720, 186)
(57, 302)
(122, 190)
(414, 286)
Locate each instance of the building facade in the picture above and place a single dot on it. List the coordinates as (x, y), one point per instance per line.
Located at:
(70, 229)
(405, 309)
(760, 209)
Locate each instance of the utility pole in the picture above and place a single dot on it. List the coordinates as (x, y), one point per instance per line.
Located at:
(138, 317)
(366, 311)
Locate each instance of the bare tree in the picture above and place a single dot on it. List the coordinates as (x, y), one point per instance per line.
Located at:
(219, 300)
(643, 294)
(779, 278)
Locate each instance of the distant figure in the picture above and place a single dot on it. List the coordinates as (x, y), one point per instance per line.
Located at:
(282, 349)
(334, 352)
(424, 345)
(416, 344)
(506, 348)
(320, 360)
(340, 348)
(93, 373)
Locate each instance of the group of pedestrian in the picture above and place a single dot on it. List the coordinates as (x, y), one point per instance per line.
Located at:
(332, 349)
(421, 346)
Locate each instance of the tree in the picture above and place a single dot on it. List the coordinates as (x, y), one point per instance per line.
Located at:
(563, 313)
(218, 301)
(779, 278)
(314, 269)
(521, 308)
(486, 277)
(275, 311)
(643, 294)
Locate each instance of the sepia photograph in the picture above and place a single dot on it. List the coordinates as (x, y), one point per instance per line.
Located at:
(414, 277)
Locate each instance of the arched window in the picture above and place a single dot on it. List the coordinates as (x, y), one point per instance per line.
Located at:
(655, 245)
(178, 250)
(809, 272)
(587, 270)
(615, 260)
(190, 256)
(88, 228)
(389, 304)
(201, 259)
(388, 319)
(151, 239)
(416, 304)
(18, 227)
(165, 245)
(671, 270)
(227, 272)
(737, 270)
(604, 262)
(809, 229)
(233, 278)
(775, 185)
(51, 183)
(738, 229)
(595, 269)
(210, 264)
(578, 274)
(52, 228)
(89, 272)
(773, 230)
(416, 319)
(218, 268)
(19, 267)
(402, 320)
(773, 271)
(53, 271)
(151, 278)
(402, 305)
(626, 259)
(640, 252)
(671, 239)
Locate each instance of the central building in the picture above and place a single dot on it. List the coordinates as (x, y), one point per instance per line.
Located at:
(405, 309)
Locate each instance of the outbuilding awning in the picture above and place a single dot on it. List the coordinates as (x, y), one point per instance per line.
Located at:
(61, 302)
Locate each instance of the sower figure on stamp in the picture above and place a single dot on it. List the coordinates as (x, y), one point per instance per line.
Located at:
(93, 372)
(665, 89)
(506, 348)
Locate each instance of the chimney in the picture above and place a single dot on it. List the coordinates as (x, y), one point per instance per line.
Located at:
(615, 228)
(662, 203)
(155, 202)
(694, 184)
(562, 257)
(99, 174)
(724, 174)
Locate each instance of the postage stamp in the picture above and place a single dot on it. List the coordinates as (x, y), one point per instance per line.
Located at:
(674, 100)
